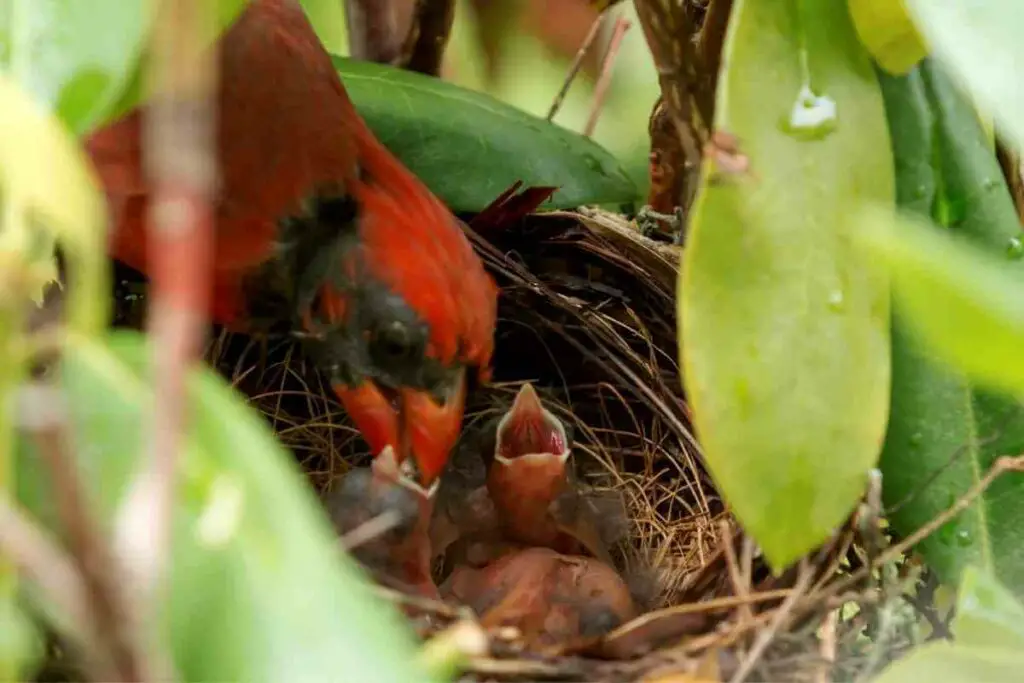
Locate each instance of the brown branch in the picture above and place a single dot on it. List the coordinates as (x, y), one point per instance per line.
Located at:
(667, 165)
(681, 119)
(427, 36)
(376, 30)
(710, 41)
(605, 78)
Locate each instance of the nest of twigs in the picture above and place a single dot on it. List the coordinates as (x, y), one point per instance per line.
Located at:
(588, 315)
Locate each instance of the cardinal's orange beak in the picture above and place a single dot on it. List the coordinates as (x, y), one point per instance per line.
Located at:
(421, 427)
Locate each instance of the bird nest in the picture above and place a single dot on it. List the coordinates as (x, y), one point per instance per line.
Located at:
(587, 314)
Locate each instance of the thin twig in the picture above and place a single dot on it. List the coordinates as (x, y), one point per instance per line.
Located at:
(827, 647)
(766, 636)
(605, 78)
(577, 64)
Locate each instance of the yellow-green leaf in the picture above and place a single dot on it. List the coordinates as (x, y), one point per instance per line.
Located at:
(784, 331)
(987, 614)
(888, 33)
(953, 663)
(979, 41)
(963, 301)
(48, 191)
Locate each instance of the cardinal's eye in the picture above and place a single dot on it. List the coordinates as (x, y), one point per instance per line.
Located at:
(393, 341)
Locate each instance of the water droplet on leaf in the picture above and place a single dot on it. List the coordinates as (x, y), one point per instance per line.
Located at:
(1014, 248)
(963, 538)
(835, 300)
(813, 117)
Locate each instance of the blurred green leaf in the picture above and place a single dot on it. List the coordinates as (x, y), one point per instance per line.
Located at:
(328, 18)
(888, 33)
(468, 147)
(944, 434)
(22, 647)
(49, 191)
(962, 300)
(259, 590)
(979, 41)
(784, 332)
(54, 49)
(987, 614)
(954, 663)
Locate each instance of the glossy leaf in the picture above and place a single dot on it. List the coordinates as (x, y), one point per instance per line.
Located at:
(888, 33)
(784, 331)
(979, 41)
(259, 590)
(954, 663)
(944, 433)
(53, 47)
(469, 147)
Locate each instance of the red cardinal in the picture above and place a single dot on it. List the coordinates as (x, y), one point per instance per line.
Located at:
(376, 272)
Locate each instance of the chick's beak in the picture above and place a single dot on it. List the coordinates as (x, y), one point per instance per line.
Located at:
(528, 428)
(412, 422)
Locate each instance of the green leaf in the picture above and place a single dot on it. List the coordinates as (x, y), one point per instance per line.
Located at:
(944, 434)
(259, 590)
(887, 32)
(987, 614)
(468, 147)
(53, 48)
(784, 331)
(979, 41)
(954, 663)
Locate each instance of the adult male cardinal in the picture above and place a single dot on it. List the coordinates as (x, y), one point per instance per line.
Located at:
(371, 267)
